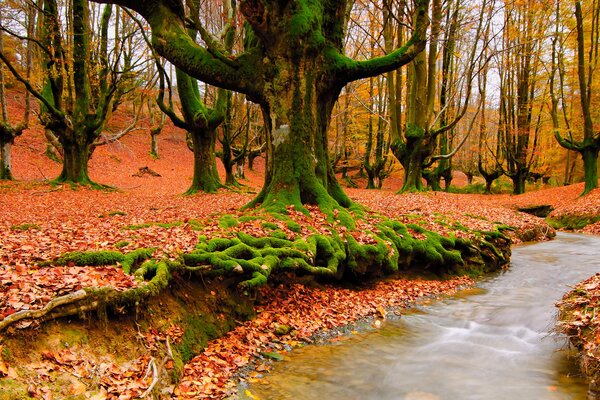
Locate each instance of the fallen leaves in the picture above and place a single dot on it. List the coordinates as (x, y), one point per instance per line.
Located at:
(579, 312)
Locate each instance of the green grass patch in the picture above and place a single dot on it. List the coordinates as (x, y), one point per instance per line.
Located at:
(91, 258)
(25, 227)
(572, 222)
(166, 225)
(228, 221)
(116, 213)
(121, 244)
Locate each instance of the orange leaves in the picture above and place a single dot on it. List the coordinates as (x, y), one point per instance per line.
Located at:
(579, 313)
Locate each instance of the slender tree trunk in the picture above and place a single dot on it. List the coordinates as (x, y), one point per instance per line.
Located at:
(154, 132)
(590, 167)
(228, 164)
(5, 162)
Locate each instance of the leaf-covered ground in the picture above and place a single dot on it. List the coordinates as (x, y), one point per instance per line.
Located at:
(40, 222)
(579, 319)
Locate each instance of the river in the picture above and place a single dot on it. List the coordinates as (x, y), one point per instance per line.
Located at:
(494, 342)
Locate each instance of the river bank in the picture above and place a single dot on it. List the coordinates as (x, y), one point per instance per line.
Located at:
(579, 320)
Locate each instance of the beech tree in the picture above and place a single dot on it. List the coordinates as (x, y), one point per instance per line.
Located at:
(587, 55)
(67, 107)
(427, 121)
(8, 132)
(295, 67)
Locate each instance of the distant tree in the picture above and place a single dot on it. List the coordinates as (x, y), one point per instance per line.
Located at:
(526, 24)
(9, 132)
(587, 53)
(67, 107)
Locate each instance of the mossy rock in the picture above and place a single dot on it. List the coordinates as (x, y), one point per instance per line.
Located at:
(541, 211)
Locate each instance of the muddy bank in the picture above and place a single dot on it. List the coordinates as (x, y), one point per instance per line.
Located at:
(119, 353)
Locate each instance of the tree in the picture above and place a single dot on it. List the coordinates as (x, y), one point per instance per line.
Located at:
(485, 146)
(294, 66)
(8, 132)
(67, 107)
(426, 125)
(526, 25)
(589, 145)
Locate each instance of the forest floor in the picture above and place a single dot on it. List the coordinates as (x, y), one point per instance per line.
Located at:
(41, 221)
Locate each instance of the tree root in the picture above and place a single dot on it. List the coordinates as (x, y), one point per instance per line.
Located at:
(68, 299)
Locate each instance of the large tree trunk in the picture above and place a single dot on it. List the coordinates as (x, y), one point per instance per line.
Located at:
(519, 179)
(299, 109)
(413, 166)
(76, 155)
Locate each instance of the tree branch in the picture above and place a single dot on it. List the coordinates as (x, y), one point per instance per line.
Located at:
(350, 70)
(55, 111)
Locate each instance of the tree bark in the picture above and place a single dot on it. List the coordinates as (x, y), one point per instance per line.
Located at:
(206, 177)
(590, 167)
(5, 162)
(76, 154)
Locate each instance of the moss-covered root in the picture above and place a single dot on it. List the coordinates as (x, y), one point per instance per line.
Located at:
(128, 261)
(255, 259)
(388, 248)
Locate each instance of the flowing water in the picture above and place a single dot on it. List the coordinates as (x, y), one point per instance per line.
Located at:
(494, 342)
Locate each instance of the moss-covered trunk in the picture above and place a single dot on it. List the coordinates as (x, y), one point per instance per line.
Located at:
(228, 163)
(413, 169)
(590, 166)
(299, 107)
(5, 162)
(76, 155)
(206, 177)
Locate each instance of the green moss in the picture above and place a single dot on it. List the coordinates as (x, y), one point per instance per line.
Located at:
(11, 389)
(166, 225)
(72, 337)
(572, 221)
(121, 244)
(91, 258)
(269, 226)
(137, 226)
(116, 213)
(294, 226)
(198, 330)
(278, 234)
(6, 355)
(135, 258)
(248, 218)
(25, 227)
(228, 221)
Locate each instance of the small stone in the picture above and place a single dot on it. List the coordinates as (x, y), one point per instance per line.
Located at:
(281, 330)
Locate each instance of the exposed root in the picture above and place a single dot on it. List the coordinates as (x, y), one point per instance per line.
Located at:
(38, 314)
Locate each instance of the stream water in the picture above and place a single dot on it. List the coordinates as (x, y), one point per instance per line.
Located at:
(494, 342)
